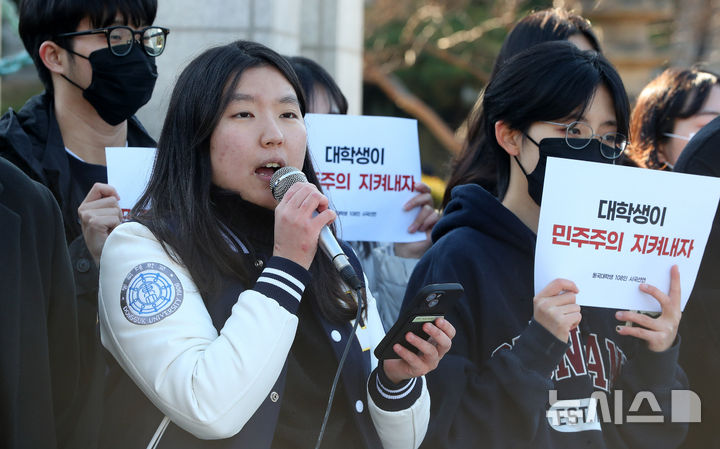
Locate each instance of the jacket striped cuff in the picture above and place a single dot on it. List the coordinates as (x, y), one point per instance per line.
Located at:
(284, 281)
(393, 397)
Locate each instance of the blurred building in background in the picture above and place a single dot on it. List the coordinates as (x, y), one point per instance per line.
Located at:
(635, 35)
(328, 31)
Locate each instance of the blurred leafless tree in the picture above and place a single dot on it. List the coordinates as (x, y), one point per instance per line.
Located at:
(464, 34)
(695, 37)
(443, 29)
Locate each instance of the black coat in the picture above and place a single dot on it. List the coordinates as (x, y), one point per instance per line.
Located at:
(31, 140)
(698, 327)
(39, 362)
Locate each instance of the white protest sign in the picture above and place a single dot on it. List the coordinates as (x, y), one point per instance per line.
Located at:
(128, 170)
(367, 167)
(610, 228)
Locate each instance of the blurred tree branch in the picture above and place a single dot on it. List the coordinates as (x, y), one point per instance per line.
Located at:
(408, 102)
(400, 32)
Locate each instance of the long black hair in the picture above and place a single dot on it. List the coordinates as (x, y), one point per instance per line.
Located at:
(177, 206)
(550, 81)
(554, 24)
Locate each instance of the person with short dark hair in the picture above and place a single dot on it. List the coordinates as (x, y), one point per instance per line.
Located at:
(522, 363)
(39, 369)
(668, 112)
(227, 321)
(96, 60)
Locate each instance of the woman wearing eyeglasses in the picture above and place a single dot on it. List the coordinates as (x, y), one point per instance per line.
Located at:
(523, 369)
(668, 112)
(552, 24)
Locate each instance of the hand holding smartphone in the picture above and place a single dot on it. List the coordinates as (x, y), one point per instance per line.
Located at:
(431, 302)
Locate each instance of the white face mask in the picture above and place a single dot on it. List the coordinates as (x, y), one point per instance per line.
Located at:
(678, 136)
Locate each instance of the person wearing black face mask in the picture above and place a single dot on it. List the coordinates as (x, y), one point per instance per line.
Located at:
(579, 143)
(97, 63)
(515, 353)
(121, 83)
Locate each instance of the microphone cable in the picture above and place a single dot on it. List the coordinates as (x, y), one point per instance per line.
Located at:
(361, 302)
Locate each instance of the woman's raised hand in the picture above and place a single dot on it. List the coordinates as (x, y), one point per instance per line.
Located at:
(554, 307)
(660, 332)
(297, 228)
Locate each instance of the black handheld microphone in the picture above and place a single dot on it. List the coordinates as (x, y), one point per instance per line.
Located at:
(280, 183)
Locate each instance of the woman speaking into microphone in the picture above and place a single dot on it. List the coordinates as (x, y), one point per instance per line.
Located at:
(225, 321)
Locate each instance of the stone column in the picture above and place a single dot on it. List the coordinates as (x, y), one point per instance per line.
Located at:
(332, 35)
(624, 28)
(696, 39)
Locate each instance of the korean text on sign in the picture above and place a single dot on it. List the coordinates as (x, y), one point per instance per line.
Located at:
(363, 156)
(639, 213)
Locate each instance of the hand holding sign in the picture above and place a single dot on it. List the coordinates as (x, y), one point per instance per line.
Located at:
(99, 214)
(659, 332)
(426, 218)
(368, 167)
(554, 308)
(610, 228)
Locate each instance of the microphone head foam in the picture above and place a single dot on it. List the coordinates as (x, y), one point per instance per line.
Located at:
(283, 178)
